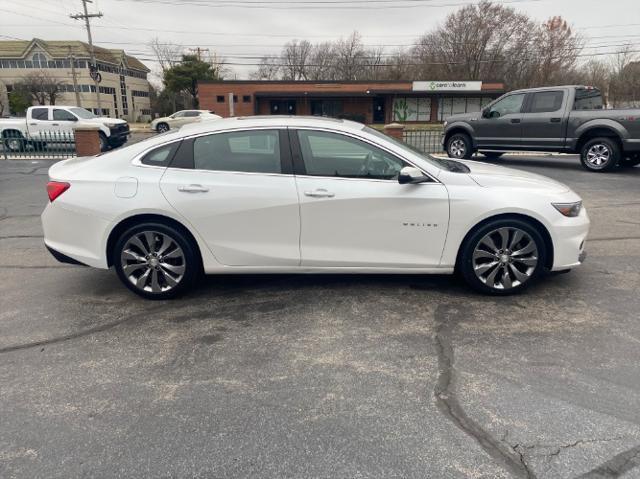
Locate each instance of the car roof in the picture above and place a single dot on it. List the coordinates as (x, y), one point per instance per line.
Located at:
(275, 121)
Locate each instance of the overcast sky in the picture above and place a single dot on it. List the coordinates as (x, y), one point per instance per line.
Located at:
(242, 29)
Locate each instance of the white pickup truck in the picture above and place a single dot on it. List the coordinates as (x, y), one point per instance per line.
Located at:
(44, 124)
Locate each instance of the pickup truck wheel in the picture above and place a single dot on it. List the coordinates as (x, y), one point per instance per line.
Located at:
(459, 146)
(14, 142)
(104, 144)
(600, 154)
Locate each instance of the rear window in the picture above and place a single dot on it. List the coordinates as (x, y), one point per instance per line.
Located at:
(588, 99)
(546, 101)
(160, 156)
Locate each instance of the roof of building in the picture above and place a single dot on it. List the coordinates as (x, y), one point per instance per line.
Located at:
(17, 49)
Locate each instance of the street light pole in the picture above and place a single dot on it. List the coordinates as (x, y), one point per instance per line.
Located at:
(86, 16)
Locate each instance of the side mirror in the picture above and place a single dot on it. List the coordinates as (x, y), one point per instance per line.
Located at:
(410, 175)
(486, 113)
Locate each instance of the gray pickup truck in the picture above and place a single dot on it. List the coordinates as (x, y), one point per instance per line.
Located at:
(566, 119)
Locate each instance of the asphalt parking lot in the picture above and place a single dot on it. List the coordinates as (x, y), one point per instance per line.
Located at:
(322, 376)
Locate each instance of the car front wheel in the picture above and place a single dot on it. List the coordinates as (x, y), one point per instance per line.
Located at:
(162, 127)
(502, 257)
(459, 146)
(156, 261)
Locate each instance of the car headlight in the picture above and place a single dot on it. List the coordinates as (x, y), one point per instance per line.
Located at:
(570, 210)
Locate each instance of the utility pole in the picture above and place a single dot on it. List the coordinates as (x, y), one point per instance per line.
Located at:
(86, 16)
(74, 76)
(199, 52)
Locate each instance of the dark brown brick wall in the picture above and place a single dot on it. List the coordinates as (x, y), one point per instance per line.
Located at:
(87, 142)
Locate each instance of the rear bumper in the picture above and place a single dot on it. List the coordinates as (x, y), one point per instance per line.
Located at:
(63, 258)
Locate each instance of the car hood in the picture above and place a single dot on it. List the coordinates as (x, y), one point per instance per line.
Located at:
(488, 176)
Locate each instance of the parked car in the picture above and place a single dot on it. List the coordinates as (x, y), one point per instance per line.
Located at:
(181, 118)
(56, 123)
(567, 119)
(305, 195)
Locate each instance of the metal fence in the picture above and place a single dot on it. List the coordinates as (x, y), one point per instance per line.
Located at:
(47, 145)
(427, 141)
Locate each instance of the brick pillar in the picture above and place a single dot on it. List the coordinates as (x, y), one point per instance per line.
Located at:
(87, 140)
(394, 129)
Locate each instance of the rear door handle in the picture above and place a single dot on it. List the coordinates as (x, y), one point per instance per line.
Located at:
(319, 193)
(555, 120)
(515, 120)
(55, 124)
(193, 189)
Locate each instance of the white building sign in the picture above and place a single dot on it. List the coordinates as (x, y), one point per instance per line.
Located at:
(447, 86)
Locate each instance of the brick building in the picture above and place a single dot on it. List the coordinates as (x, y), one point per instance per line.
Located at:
(367, 102)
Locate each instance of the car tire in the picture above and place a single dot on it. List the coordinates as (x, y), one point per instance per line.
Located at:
(156, 261)
(459, 146)
(492, 155)
(502, 257)
(14, 141)
(162, 127)
(600, 154)
(104, 143)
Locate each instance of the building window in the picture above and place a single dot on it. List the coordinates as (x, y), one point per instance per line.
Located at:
(39, 60)
(246, 98)
(220, 98)
(448, 106)
(411, 109)
(235, 98)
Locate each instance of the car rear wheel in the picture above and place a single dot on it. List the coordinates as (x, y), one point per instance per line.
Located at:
(502, 257)
(459, 146)
(600, 154)
(156, 261)
(162, 127)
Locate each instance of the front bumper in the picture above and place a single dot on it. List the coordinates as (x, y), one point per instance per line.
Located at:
(569, 237)
(119, 135)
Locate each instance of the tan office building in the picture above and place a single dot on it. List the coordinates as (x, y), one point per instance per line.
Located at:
(124, 89)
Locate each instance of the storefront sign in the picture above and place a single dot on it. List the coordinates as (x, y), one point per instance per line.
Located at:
(447, 85)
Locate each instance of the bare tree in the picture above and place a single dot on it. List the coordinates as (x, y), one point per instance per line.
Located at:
(557, 53)
(167, 54)
(269, 68)
(295, 59)
(322, 62)
(624, 88)
(350, 56)
(43, 87)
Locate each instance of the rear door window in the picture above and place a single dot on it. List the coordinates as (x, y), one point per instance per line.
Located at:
(160, 156)
(546, 101)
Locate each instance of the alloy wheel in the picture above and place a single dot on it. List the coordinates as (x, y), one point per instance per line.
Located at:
(505, 258)
(457, 148)
(14, 144)
(153, 261)
(598, 155)
(162, 128)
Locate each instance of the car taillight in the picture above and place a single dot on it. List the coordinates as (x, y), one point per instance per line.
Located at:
(56, 188)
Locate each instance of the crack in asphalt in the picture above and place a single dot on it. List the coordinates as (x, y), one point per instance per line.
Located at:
(447, 318)
(613, 238)
(80, 334)
(615, 467)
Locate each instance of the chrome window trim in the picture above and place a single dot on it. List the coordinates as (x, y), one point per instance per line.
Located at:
(137, 159)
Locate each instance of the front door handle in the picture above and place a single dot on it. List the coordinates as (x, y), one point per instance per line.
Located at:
(515, 120)
(193, 189)
(555, 120)
(55, 124)
(319, 193)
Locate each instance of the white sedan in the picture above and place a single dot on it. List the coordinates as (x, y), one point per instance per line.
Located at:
(181, 118)
(305, 195)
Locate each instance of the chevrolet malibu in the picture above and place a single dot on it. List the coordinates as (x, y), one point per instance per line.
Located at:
(305, 195)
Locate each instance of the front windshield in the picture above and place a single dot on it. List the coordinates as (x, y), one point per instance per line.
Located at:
(82, 113)
(442, 163)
